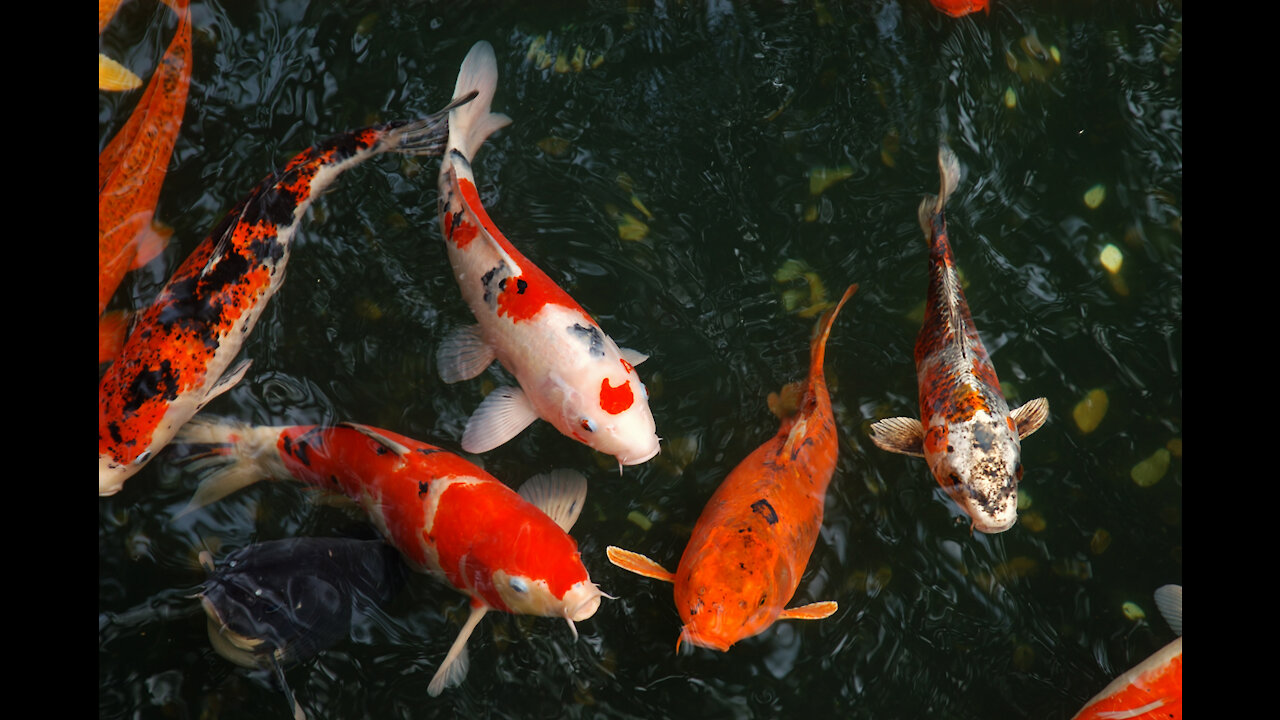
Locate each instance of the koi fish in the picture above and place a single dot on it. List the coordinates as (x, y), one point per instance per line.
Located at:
(448, 518)
(1153, 689)
(174, 361)
(130, 172)
(960, 8)
(752, 542)
(278, 603)
(966, 434)
(570, 373)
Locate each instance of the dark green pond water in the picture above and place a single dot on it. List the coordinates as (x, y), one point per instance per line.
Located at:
(710, 124)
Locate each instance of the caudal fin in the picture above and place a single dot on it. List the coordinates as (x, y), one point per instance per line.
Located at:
(472, 123)
(818, 347)
(237, 456)
(932, 205)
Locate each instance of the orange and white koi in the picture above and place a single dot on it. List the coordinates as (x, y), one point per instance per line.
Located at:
(448, 518)
(752, 542)
(570, 373)
(1153, 689)
(182, 344)
(966, 433)
(131, 170)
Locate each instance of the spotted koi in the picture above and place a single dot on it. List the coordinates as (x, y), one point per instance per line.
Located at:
(966, 434)
(506, 551)
(752, 542)
(569, 372)
(174, 361)
(130, 172)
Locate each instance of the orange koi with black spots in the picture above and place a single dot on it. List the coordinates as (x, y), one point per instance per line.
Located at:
(505, 550)
(752, 542)
(182, 344)
(966, 433)
(570, 373)
(131, 170)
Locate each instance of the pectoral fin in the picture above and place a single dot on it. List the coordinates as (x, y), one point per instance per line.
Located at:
(377, 437)
(226, 382)
(812, 611)
(501, 416)
(633, 357)
(560, 494)
(900, 435)
(638, 564)
(456, 663)
(463, 354)
(1030, 416)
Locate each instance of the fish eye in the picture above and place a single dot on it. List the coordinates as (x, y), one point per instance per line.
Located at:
(519, 585)
(587, 424)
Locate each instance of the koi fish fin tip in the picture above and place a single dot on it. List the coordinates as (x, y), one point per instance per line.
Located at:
(949, 169)
(559, 493)
(502, 415)
(226, 382)
(812, 611)
(474, 122)
(638, 564)
(151, 243)
(456, 663)
(239, 456)
(377, 437)
(633, 357)
(1030, 416)
(902, 435)
(115, 77)
(463, 354)
(1169, 601)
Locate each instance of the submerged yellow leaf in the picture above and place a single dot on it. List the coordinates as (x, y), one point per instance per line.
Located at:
(1088, 413)
(1111, 258)
(1133, 611)
(1094, 196)
(631, 227)
(640, 520)
(822, 178)
(1149, 471)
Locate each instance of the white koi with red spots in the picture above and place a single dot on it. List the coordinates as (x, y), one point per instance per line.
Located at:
(570, 373)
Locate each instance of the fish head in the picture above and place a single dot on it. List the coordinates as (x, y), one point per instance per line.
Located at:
(535, 596)
(607, 408)
(727, 591)
(979, 463)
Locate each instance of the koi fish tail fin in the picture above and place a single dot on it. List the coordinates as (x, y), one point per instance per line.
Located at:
(426, 136)
(932, 205)
(1169, 601)
(818, 346)
(472, 123)
(237, 456)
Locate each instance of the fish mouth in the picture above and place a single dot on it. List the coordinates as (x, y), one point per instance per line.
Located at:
(582, 601)
(693, 637)
(627, 460)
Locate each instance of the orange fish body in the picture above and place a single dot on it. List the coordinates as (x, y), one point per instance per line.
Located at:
(174, 360)
(505, 550)
(1153, 689)
(752, 542)
(130, 172)
(966, 432)
(960, 8)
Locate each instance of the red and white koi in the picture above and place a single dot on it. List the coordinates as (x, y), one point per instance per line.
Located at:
(753, 540)
(174, 361)
(570, 373)
(448, 518)
(966, 433)
(1153, 689)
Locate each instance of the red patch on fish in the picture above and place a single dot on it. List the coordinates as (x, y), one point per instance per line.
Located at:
(614, 400)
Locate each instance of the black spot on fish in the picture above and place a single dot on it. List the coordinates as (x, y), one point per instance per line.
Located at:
(333, 479)
(423, 486)
(591, 336)
(486, 281)
(763, 507)
(521, 286)
(796, 452)
(114, 429)
(161, 383)
(428, 451)
(457, 222)
(300, 452)
(381, 449)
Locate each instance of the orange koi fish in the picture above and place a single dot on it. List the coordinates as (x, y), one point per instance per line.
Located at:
(448, 518)
(174, 360)
(570, 373)
(130, 172)
(960, 8)
(1153, 689)
(752, 542)
(966, 433)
